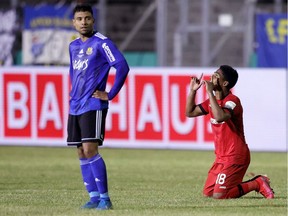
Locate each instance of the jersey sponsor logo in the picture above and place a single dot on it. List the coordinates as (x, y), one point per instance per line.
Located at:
(80, 64)
(213, 121)
(108, 52)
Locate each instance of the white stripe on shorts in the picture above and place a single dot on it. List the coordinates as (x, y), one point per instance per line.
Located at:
(98, 124)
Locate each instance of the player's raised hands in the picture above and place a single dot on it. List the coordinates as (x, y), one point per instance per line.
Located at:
(209, 85)
(196, 83)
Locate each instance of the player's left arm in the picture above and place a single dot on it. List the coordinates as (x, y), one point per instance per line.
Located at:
(115, 59)
(122, 70)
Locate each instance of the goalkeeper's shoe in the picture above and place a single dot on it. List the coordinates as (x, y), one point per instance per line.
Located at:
(90, 205)
(104, 204)
(264, 186)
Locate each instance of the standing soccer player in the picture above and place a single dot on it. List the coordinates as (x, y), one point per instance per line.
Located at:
(91, 57)
(225, 177)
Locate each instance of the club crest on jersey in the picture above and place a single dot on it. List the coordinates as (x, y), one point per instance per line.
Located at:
(89, 51)
(108, 52)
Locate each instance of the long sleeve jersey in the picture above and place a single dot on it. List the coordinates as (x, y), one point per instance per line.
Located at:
(90, 63)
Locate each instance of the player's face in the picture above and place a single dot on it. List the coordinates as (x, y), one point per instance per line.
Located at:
(218, 79)
(83, 22)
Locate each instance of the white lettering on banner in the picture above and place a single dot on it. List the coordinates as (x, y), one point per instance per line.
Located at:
(119, 108)
(181, 127)
(149, 111)
(144, 103)
(17, 105)
(50, 108)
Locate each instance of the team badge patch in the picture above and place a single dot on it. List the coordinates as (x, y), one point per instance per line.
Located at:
(89, 51)
(230, 105)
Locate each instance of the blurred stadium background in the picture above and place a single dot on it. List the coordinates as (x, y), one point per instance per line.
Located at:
(164, 41)
(161, 32)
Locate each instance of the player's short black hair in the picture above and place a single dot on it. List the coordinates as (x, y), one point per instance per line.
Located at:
(83, 8)
(230, 74)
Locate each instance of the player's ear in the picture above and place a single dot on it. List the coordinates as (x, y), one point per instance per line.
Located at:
(225, 83)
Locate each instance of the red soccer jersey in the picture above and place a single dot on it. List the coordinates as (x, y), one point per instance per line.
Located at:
(229, 139)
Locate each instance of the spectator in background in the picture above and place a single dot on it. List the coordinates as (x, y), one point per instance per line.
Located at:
(225, 177)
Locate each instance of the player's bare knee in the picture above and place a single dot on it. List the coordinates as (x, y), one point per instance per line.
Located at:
(90, 150)
(88, 153)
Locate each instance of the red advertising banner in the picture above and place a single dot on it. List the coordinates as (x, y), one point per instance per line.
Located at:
(148, 103)
(117, 126)
(50, 106)
(17, 105)
(180, 127)
(148, 112)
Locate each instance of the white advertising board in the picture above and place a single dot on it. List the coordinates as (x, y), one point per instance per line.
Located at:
(149, 111)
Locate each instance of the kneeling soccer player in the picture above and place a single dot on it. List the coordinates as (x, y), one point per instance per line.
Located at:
(225, 177)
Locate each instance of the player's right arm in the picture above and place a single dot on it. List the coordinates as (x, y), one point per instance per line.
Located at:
(192, 110)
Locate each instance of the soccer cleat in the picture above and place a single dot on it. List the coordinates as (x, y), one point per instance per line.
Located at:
(264, 186)
(90, 205)
(104, 205)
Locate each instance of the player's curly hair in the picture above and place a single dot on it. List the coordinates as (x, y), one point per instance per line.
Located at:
(230, 74)
(83, 8)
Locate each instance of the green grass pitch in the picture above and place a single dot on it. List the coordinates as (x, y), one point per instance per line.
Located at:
(37, 181)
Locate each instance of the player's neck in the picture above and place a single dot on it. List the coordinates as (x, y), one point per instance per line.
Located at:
(85, 37)
(221, 94)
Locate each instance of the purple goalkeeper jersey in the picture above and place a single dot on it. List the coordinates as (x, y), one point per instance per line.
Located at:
(90, 62)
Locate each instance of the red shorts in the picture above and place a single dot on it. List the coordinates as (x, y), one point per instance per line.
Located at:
(222, 177)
